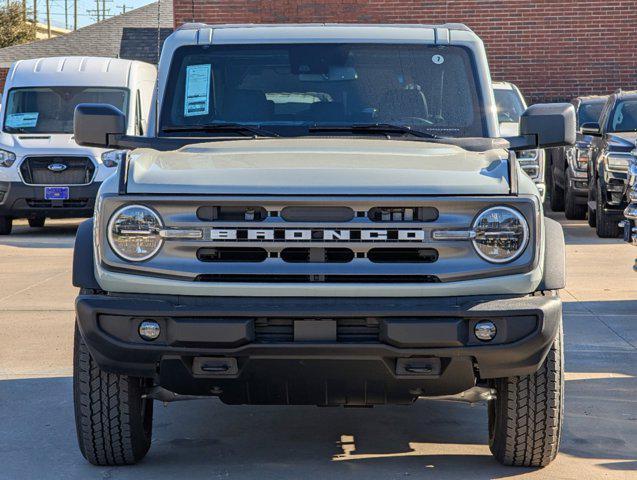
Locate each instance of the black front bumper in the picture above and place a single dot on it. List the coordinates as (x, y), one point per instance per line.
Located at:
(18, 200)
(318, 350)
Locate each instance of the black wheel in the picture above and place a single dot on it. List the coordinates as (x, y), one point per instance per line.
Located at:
(591, 216)
(113, 421)
(6, 225)
(525, 419)
(572, 210)
(37, 222)
(606, 226)
(556, 197)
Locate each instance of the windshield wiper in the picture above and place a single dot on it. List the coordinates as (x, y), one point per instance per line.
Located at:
(381, 128)
(245, 130)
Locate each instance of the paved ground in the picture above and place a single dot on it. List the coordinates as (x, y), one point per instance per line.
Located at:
(206, 439)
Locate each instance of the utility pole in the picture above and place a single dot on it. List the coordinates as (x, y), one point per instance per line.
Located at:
(24, 10)
(66, 14)
(48, 18)
(74, 14)
(97, 9)
(35, 11)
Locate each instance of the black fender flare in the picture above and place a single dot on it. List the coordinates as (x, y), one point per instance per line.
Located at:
(83, 259)
(554, 277)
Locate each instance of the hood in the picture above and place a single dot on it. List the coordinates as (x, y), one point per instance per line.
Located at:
(319, 166)
(45, 144)
(622, 140)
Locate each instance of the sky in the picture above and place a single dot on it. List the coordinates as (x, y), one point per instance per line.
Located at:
(85, 10)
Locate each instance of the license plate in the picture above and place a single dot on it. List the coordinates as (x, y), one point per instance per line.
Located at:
(56, 193)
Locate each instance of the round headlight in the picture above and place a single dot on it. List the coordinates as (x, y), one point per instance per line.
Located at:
(501, 234)
(133, 233)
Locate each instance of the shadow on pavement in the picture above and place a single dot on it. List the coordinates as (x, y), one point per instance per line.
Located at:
(206, 439)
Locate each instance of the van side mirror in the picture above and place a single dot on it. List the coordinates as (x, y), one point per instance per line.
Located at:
(591, 128)
(545, 125)
(95, 123)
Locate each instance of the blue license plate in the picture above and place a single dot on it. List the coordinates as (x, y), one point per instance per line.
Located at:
(56, 193)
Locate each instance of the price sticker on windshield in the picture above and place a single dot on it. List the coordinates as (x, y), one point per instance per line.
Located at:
(197, 95)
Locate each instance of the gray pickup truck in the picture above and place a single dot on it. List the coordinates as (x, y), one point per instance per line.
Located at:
(322, 215)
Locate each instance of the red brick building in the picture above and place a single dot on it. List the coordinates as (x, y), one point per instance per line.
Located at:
(552, 49)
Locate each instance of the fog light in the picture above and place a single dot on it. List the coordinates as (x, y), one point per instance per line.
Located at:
(149, 330)
(485, 330)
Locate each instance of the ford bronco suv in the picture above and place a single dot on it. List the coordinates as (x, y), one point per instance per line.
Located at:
(322, 215)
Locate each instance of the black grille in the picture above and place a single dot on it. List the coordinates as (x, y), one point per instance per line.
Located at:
(75, 203)
(348, 330)
(78, 171)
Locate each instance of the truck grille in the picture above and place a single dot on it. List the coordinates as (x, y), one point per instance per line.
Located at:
(76, 171)
(338, 241)
(348, 330)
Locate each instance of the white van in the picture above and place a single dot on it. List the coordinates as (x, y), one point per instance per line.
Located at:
(43, 172)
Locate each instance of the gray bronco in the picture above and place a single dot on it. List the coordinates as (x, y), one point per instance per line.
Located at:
(324, 215)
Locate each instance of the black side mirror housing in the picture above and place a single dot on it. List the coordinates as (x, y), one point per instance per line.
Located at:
(95, 123)
(545, 125)
(591, 128)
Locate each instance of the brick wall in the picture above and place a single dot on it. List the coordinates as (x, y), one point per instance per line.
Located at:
(3, 77)
(553, 49)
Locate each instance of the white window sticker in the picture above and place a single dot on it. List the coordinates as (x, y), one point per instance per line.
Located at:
(197, 98)
(22, 120)
(438, 59)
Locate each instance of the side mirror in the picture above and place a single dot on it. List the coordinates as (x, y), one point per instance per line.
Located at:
(545, 125)
(590, 128)
(95, 123)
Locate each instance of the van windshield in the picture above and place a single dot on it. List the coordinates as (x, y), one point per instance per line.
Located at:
(51, 109)
(432, 89)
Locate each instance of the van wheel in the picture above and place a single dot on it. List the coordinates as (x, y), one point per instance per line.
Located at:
(607, 226)
(37, 222)
(6, 225)
(113, 420)
(525, 419)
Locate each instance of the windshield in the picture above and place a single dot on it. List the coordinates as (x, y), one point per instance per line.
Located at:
(589, 112)
(509, 104)
(624, 118)
(51, 109)
(427, 88)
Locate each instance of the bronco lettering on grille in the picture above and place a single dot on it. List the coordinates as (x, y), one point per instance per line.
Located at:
(317, 235)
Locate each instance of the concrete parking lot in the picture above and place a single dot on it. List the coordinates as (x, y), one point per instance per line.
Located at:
(206, 439)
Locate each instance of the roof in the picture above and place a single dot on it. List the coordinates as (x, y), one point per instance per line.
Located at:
(132, 35)
(90, 71)
(321, 32)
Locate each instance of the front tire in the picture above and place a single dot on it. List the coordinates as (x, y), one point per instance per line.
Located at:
(113, 420)
(606, 226)
(525, 419)
(572, 210)
(557, 197)
(6, 225)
